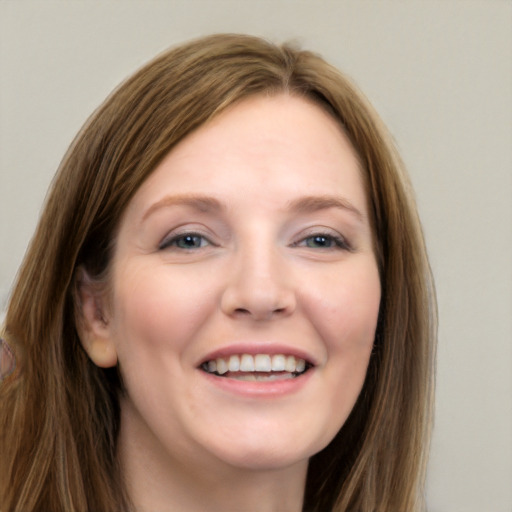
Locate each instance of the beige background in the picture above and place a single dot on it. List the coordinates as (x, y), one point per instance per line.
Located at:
(439, 72)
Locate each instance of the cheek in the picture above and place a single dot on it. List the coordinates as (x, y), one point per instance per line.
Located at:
(345, 316)
(346, 309)
(158, 310)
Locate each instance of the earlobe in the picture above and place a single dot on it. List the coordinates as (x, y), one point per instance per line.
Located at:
(102, 352)
(93, 326)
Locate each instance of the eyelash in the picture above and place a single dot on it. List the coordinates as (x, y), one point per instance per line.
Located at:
(335, 241)
(338, 241)
(173, 241)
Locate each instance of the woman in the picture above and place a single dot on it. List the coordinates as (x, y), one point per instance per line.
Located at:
(227, 303)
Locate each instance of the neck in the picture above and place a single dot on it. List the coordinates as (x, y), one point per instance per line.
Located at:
(158, 481)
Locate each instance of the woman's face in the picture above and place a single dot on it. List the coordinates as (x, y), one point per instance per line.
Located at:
(245, 290)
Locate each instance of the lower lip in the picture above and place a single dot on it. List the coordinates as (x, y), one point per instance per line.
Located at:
(264, 389)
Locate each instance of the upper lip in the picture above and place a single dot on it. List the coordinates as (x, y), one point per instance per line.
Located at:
(259, 348)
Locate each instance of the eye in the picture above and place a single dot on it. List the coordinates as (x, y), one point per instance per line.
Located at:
(323, 241)
(186, 241)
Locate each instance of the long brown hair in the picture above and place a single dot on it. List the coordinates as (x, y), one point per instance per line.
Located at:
(59, 413)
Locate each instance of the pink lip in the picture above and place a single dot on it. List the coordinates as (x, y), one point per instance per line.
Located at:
(262, 389)
(258, 348)
(259, 389)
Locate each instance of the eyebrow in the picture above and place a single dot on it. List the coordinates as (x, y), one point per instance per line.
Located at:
(310, 204)
(204, 204)
(207, 204)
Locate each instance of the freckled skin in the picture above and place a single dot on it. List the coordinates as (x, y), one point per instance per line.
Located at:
(254, 277)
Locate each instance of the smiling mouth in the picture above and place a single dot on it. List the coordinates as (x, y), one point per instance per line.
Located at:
(259, 367)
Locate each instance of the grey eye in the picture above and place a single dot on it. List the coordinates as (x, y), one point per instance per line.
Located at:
(324, 241)
(185, 241)
(320, 241)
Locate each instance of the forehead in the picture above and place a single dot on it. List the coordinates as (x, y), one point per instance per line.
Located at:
(285, 143)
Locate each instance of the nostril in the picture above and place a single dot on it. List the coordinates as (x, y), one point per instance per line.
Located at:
(242, 311)
(260, 314)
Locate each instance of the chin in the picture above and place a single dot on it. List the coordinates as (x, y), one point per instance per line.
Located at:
(264, 459)
(260, 448)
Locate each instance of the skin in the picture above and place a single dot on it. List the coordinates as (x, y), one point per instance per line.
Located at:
(253, 273)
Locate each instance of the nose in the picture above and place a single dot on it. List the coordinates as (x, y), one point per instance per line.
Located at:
(259, 286)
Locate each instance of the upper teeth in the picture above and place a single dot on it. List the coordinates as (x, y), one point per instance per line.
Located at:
(255, 363)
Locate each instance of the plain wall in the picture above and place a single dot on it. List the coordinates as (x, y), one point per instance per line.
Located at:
(440, 74)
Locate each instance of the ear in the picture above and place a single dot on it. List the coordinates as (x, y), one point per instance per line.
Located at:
(92, 322)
